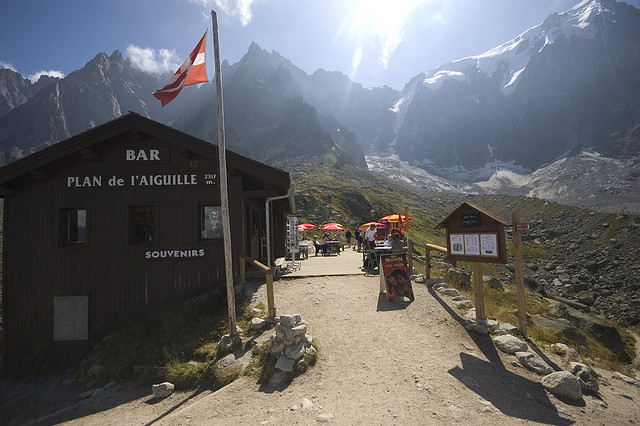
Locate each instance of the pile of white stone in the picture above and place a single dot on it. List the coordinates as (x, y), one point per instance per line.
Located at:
(289, 345)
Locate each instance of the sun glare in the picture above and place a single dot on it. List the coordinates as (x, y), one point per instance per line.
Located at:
(383, 19)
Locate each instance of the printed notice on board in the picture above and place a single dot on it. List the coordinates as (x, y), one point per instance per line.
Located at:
(457, 244)
(472, 244)
(489, 244)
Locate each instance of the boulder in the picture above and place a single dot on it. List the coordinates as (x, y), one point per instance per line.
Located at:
(603, 332)
(562, 325)
(563, 385)
(508, 328)
(257, 323)
(162, 390)
(571, 354)
(478, 328)
(509, 344)
(495, 283)
(295, 351)
(440, 285)
(290, 321)
(463, 303)
(534, 362)
(588, 382)
(461, 278)
(449, 292)
(626, 379)
(433, 281)
(285, 364)
(587, 297)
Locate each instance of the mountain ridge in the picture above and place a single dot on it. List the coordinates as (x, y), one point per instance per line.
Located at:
(572, 88)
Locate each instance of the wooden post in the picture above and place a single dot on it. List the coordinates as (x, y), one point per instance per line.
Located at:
(410, 254)
(427, 264)
(481, 317)
(243, 275)
(517, 255)
(271, 304)
(224, 195)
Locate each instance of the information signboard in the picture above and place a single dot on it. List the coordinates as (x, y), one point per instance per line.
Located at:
(475, 235)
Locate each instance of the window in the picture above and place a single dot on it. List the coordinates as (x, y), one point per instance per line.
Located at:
(73, 226)
(210, 222)
(142, 224)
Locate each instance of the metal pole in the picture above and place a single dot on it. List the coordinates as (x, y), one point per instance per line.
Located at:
(224, 195)
(267, 207)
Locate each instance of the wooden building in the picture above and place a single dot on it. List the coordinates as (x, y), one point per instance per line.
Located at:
(123, 219)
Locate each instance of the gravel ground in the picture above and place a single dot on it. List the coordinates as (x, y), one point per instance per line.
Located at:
(379, 363)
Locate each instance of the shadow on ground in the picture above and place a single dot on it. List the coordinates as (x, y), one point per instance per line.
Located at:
(511, 394)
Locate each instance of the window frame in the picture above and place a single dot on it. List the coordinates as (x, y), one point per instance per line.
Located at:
(202, 226)
(149, 211)
(72, 233)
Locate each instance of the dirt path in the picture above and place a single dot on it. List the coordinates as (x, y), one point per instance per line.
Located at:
(380, 363)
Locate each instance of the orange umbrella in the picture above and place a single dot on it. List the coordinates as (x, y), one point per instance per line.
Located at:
(332, 227)
(305, 227)
(368, 224)
(395, 218)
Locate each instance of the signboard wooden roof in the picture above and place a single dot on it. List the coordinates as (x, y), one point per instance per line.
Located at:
(466, 206)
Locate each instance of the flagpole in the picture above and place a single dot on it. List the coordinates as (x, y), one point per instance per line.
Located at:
(224, 195)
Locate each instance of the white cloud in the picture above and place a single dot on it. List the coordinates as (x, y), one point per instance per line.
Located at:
(391, 28)
(391, 38)
(386, 21)
(51, 73)
(147, 59)
(238, 8)
(35, 76)
(7, 65)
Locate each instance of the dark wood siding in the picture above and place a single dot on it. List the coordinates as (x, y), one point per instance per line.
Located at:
(116, 275)
(121, 282)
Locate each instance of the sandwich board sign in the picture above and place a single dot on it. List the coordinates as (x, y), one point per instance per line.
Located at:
(394, 277)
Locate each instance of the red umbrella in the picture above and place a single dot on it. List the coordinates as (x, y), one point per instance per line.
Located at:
(305, 227)
(332, 227)
(395, 218)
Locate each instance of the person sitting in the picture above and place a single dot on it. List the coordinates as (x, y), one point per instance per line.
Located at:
(397, 244)
(325, 245)
(317, 245)
(340, 240)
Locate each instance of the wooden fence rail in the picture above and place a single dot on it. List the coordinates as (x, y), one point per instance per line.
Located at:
(427, 256)
(268, 272)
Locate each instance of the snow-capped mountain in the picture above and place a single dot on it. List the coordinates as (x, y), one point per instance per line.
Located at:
(569, 83)
(517, 118)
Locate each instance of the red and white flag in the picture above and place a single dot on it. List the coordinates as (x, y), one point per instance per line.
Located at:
(192, 71)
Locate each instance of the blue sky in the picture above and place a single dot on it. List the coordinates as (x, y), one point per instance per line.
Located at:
(374, 42)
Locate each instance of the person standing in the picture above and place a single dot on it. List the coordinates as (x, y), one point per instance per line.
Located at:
(358, 241)
(348, 237)
(370, 236)
(340, 240)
